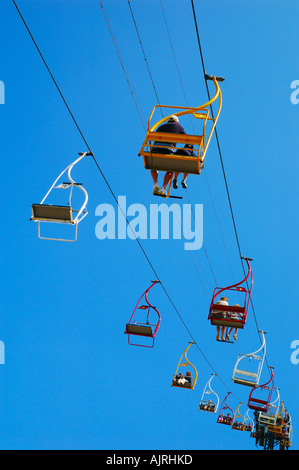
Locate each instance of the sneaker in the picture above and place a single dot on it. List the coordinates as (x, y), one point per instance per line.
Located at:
(184, 184)
(227, 337)
(156, 189)
(162, 192)
(175, 184)
(235, 336)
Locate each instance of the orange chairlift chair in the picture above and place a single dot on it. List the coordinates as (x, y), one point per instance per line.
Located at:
(236, 424)
(170, 162)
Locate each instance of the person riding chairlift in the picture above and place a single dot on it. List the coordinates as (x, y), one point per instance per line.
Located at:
(173, 127)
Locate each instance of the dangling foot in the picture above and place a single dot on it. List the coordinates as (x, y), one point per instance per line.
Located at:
(175, 184)
(156, 189)
(235, 336)
(162, 192)
(184, 184)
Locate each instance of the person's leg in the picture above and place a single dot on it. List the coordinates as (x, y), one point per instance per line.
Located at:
(218, 332)
(167, 179)
(222, 333)
(184, 182)
(154, 174)
(228, 332)
(175, 181)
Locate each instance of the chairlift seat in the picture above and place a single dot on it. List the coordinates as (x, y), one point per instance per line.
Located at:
(230, 323)
(228, 308)
(225, 420)
(263, 418)
(239, 427)
(278, 431)
(153, 160)
(139, 330)
(51, 213)
(217, 319)
(205, 406)
(258, 405)
(182, 385)
(248, 378)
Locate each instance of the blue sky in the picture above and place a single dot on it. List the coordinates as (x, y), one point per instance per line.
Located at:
(70, 380)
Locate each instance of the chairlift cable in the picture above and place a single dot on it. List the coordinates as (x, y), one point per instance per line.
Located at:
(204, 171)
(124, 68)
(221, 159)
(145, 58)
(136, 99)
(155, 90)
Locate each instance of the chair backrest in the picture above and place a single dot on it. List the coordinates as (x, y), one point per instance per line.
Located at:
(49, 213)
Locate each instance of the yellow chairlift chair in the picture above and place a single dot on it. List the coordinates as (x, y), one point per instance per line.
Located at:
(185, 380)
(171, 162)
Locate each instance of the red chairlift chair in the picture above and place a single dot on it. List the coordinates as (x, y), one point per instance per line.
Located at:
(222, 418)
(144, 329)
(232, 316)
(259, 404)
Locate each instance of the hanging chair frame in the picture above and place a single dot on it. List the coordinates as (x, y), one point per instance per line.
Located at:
(56, 214)
(209, 405)
(227, 420)
(258, 404)
(170, 162)
(279, 428)
(270, 418)
(249, 428)
(236, 426)
(146, 330)
(187, 385)
(244, 377)
(218, 319)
